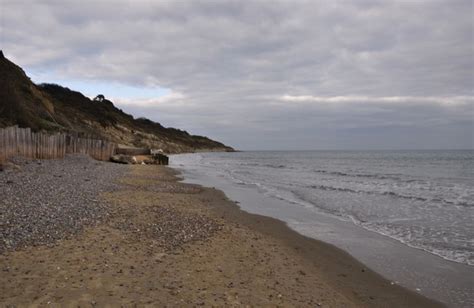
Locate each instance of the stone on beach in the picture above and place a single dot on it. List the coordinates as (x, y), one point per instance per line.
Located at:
(123, 159)
(48, 201)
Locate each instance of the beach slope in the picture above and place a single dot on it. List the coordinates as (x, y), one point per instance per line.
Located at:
(162, 242)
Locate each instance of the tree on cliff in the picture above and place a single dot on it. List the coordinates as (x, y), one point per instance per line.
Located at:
(99, 98)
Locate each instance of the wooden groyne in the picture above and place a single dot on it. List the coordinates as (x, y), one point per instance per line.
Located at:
(15, 141)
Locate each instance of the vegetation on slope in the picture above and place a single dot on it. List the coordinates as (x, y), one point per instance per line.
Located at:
(52, 107)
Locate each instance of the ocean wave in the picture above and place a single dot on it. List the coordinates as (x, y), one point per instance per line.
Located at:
(455, 254)
(392, 194)
(273, 166)
(460, 203)
(363, 175)
(278, 166)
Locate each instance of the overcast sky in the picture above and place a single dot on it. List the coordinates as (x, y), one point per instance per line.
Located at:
(264, 74)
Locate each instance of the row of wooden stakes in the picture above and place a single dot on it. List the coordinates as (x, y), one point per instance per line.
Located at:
(16, 141)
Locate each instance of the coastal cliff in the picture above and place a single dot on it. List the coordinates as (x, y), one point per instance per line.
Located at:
(53, 108)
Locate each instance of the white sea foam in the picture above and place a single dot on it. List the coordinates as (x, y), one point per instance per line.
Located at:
(424, 199)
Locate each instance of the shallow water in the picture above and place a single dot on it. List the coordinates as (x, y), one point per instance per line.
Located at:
(421, 199)
(424, 199)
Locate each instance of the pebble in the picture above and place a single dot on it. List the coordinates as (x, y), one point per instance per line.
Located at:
(175, 228)
(49, 200)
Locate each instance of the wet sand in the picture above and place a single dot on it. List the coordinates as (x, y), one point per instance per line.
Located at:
(166, 243)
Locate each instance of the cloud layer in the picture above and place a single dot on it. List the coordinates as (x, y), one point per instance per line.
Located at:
(268, 74)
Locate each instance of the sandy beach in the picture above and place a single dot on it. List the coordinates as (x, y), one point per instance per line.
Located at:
(159, 242)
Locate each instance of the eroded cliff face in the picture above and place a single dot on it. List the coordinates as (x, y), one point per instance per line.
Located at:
(51, 107)
(143, 139)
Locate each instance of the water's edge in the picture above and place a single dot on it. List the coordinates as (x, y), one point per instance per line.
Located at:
(418, 270)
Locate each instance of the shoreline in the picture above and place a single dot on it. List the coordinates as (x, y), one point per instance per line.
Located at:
(163, 242)
(335, 263)
(417, 270)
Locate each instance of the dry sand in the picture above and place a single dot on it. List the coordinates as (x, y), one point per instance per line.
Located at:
(171, 244)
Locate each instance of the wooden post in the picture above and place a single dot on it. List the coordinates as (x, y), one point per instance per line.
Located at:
(24, 142)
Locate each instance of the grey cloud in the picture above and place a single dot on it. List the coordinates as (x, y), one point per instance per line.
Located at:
(232, 61)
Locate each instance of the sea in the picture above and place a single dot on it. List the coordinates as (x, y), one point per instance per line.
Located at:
(421, 199)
